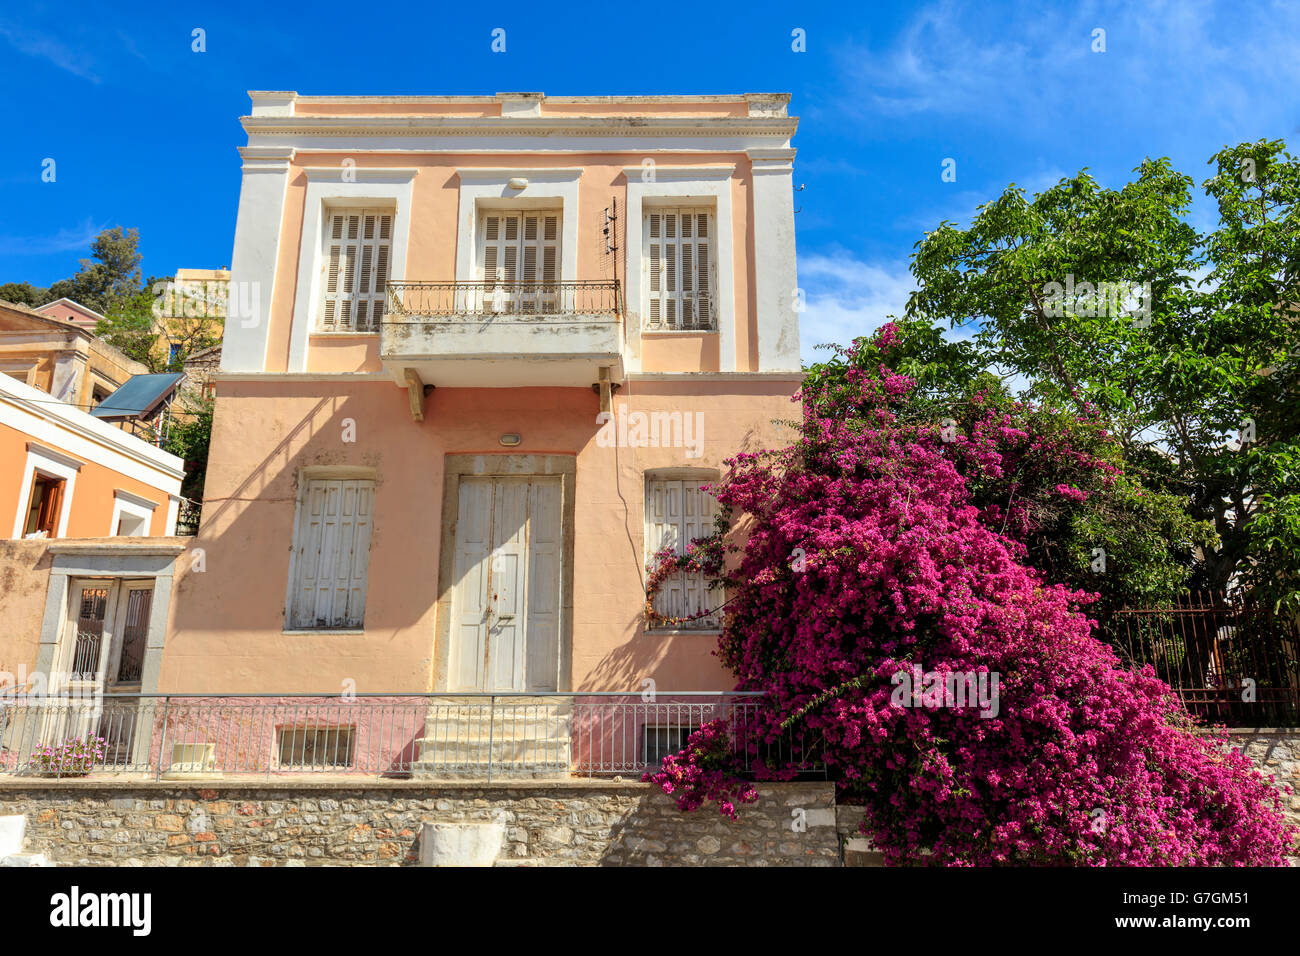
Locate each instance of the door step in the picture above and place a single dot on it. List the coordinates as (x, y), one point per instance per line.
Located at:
(526, 738)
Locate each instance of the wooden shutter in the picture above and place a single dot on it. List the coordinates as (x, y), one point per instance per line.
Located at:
(521, 252)
(679, 249)
(354, 266)
(540, 255)
(332, 545)
(678, 512)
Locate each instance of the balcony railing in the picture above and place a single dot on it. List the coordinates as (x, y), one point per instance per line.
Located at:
(460, 736)
(453, 299)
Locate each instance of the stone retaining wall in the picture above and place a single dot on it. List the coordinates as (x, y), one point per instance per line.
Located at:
(1275, 751)
(349, 823)
(340, 821)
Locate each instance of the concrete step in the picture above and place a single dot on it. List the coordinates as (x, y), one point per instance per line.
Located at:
(521, 752)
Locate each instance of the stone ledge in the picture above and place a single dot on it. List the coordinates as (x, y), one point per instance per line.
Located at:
(125, 782)
(312, 783)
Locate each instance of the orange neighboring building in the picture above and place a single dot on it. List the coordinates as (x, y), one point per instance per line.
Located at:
(66, 474)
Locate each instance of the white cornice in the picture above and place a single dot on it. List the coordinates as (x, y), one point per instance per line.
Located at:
(136, 500)
(714, 377)
(270, 377)
(609, 126)
(125, 547)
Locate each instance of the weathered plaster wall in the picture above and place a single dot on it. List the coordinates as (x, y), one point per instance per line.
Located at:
(226, 632)
(24, 579)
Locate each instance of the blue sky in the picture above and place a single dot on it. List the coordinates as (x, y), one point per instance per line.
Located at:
(143, 130)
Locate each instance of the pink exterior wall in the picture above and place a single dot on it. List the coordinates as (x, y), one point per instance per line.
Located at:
(432, 240)
(225, 631)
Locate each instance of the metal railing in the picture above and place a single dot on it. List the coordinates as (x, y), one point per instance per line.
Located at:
(421, 298)
(187, 517)
(1228, 662)
(482, 736)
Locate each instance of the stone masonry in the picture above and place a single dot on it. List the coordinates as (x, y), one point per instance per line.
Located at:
(370, 823)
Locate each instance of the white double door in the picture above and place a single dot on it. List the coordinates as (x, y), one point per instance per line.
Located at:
(506, 626)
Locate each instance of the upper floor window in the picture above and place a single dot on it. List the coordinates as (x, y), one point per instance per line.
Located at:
(44, 506)
(355, 260)
(519, 253)
(678, 252)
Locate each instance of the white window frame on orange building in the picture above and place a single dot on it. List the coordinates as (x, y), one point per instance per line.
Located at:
(52, 464)
(343, 187)
(126, 504)
(489, 188)
(675, 186)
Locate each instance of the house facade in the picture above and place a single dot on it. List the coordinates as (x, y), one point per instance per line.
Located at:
(482, 355)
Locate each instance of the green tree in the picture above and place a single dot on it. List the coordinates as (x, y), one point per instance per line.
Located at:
(1110, 299)
(113, 272)
(131, 326)
(24, 293)
(1125, 539)
(189, 438)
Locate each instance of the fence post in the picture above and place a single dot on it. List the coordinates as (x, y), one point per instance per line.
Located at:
(492, 723)
(162, 740)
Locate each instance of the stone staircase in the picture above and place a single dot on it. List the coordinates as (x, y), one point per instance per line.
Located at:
(522, 738)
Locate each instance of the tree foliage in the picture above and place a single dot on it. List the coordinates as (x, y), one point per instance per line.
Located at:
(1179, 345)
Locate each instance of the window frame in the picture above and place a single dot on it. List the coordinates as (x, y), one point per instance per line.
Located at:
(647, 262)
(126, 504)
(372, 297)
(330, 187)
(51, 464)
(669, 185)
(307, 477)
(684, 476)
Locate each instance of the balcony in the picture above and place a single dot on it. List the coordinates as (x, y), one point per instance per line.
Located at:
(503, 334)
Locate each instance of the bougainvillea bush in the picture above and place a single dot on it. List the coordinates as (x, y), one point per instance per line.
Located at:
(867, 560)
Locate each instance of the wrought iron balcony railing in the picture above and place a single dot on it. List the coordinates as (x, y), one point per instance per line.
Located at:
(418, 299)
(467, 735)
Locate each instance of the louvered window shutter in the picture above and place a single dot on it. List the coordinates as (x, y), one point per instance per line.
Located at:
(332, 554)
(521, 262)
(355, 263)
(679, 247)
(677, 513)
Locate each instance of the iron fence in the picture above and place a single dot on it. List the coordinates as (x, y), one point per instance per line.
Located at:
(1229, 662)
(424, 298)
(187, 517)
(464, 736)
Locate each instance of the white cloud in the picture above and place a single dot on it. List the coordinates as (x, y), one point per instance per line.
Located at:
(845, 297)
(77, 238)
(37, 44)
(1164, 65)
